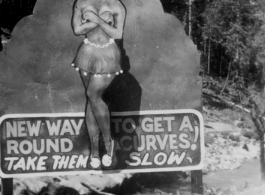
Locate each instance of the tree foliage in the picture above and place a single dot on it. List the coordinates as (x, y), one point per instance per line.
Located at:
(231, 24)
(230, 35)
(238, 26)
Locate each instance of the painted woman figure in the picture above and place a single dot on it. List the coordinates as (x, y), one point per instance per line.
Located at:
(98, 61)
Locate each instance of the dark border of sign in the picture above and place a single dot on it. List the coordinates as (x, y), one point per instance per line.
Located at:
(81, 114)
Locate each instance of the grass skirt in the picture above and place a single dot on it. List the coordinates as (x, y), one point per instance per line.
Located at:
(98, 60)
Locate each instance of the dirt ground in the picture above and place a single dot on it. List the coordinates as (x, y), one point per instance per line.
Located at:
(230, 133)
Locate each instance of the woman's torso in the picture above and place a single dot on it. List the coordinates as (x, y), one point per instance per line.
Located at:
(102, 8)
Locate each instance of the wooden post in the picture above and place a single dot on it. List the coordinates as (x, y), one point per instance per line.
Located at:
(7, 186)
(196, 182)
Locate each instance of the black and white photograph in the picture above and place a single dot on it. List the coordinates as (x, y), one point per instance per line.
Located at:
(132, 97)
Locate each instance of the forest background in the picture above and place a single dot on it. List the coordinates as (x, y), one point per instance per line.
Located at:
(229, 34)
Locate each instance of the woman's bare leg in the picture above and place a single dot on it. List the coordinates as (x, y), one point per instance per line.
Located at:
(92, 128)
(99, 108)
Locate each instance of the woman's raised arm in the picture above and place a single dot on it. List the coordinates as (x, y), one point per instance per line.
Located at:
(79, 25)
(115, 31)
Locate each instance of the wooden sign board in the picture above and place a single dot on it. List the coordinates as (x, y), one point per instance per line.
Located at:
(145, 141)
(154, 94)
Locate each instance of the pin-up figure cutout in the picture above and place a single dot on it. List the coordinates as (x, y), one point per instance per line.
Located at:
(98, 61)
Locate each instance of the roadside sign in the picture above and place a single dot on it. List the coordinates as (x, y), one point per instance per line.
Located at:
(147, 63)
(144, 141)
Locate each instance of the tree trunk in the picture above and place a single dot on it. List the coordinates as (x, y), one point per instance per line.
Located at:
(209, 57)
(221, 63)
(258, 120)
(1, 46)
(204, 46)
(262, 157)
(227, 78)
(190, 15)
(204, 51)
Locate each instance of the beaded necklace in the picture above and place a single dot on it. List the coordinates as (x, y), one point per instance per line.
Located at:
(86, 41)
